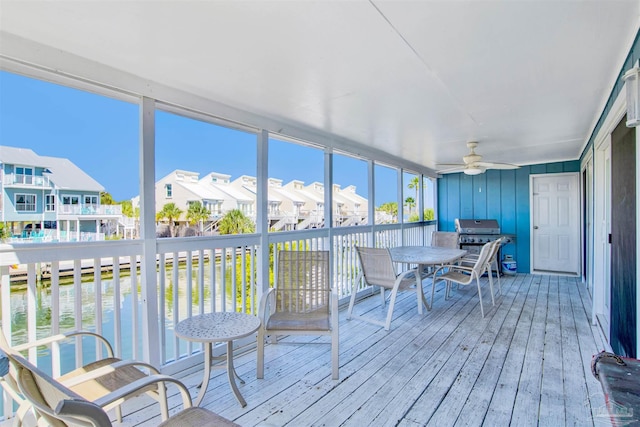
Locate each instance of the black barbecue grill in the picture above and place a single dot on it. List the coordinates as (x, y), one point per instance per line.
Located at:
(474, 233)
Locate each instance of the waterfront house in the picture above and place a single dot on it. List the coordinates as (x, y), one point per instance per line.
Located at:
(48, 199)
(401, 87)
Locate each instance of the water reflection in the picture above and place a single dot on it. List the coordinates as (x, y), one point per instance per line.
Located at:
(124, 301)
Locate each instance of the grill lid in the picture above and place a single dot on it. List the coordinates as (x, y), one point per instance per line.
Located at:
(477, 226)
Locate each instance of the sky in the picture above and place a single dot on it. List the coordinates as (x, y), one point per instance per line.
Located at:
(100, 135)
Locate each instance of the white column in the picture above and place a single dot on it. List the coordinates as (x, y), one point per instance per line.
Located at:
(262, 201)
(328, 189)
(151, 334)
(372, 201)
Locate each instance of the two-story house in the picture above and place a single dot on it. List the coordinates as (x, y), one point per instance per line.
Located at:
(50, 199)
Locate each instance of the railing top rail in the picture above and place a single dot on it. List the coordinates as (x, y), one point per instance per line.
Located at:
(177, 244)
(23, 253)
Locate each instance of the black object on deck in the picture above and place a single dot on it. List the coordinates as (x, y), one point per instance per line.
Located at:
(620, 380)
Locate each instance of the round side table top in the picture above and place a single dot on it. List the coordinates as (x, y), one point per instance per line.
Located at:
(217, 327)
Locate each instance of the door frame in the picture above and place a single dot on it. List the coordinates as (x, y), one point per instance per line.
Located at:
(602, 141)
(587, 228)
(577, 220)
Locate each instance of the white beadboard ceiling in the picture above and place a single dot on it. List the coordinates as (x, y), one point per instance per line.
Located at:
(414, 79)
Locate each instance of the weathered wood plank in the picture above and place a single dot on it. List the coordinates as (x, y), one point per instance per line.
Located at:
(575, 388)
(552, 405)
(527, 404)
(447, 367)
(503, 399)
(477, 403)
(466, 379)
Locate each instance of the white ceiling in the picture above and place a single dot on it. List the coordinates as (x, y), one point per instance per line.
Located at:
(415, 79)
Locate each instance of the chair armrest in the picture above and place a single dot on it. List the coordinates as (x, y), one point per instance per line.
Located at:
(453, 267)
(266, 306)
(406, 273)
(61, 337)
(88, 411)
(136, 386)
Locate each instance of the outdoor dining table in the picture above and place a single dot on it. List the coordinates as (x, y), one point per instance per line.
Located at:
(218, 327)
(425, 256)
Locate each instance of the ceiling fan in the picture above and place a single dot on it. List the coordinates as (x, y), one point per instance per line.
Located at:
(473, 164)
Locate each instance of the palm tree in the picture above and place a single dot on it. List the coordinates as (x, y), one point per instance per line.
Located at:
(171, 212)
(415, 184)
(410, 203)
(197, 214)
(235, 222)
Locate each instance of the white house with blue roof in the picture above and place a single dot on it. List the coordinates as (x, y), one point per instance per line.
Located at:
(51, 199)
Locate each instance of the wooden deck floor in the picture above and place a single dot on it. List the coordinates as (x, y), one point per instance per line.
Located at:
(526, 363)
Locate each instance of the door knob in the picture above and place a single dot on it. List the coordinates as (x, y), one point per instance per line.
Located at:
(535, 227)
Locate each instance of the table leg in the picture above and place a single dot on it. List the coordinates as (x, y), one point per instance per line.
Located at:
(207, 374)
(419, 284)
(231, 374)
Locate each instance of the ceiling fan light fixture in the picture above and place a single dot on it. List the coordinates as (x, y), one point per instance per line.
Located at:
(473, 170)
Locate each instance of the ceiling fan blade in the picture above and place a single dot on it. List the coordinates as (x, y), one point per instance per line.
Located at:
(490, 165)
(450, 168)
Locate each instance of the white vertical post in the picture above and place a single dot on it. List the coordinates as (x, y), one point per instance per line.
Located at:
(151, 335)
(400, 198)
(421, 198)
(328, 206)
(262, 200)
(328, 192)
(372, 200)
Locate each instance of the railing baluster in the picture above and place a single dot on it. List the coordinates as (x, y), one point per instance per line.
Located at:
(162, 285)
(77, 295)
(97, 280)
(117, 313)
(135, 336)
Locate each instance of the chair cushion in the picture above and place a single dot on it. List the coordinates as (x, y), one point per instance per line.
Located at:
(312, 321)
(197, 417)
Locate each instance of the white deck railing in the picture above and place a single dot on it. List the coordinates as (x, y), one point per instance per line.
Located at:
(102, 285)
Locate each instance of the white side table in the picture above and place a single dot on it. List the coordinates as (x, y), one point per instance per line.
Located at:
(218, 327)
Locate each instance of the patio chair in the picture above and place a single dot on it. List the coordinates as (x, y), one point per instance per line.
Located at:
(445, 239)
(59, 406)
(301, 303)
(492, 262)
(465, 275)
(442, 239)
(94, 381)
(379, 270)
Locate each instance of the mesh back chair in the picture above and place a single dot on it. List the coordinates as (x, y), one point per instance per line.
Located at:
(465, 275)
(379, 270)
(92, 381)
(301, 303)
(445, 239)
(493, 263)
(59, 406)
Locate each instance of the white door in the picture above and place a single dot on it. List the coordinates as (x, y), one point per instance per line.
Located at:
(555, 234)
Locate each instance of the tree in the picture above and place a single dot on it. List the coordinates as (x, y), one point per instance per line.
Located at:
(389, 207)
(5, 233)
(415, 184)
(235, 222)
(128, 210)
(170, 212)
(410, 203)
(106, 199)
(197, 214)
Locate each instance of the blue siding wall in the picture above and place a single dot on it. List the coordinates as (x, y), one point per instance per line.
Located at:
(496, 194)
